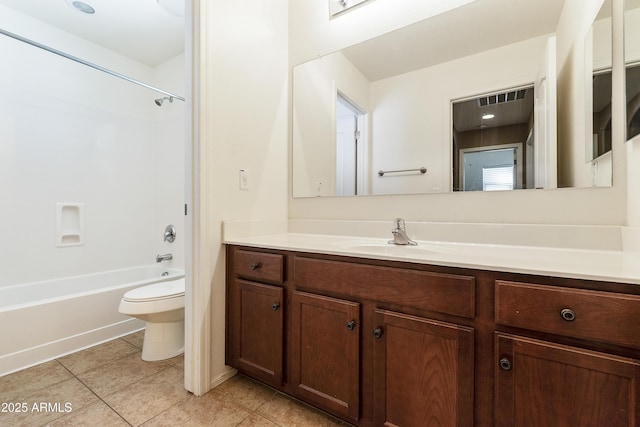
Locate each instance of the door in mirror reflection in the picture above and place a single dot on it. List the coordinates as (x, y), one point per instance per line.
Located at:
(492, 169)
(493, 138)
(350, 148)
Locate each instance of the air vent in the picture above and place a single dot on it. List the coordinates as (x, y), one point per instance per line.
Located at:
(500, 98)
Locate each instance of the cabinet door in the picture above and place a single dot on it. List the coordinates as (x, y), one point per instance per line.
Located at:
(423, 372)
(256, 330)
(325, 360)
(544, 384)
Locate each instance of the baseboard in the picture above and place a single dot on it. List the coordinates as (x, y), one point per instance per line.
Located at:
(231, 372)
(52, 350)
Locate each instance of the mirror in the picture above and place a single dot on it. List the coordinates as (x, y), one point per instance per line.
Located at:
(598, 54)
(401, 89)
(632, 60)
(493, 141)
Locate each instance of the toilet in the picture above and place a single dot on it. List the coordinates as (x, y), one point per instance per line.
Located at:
(161, 305)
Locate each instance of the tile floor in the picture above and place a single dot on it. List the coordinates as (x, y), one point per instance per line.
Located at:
(109, 385)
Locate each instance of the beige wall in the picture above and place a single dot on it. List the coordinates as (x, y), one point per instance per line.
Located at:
(243, 116)
(313, 34)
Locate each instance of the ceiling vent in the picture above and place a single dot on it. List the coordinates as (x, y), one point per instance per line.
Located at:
(500, 98)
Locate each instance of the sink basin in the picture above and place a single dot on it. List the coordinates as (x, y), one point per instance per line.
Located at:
(390, 249)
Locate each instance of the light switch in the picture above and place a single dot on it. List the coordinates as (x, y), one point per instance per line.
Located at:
(244, 179)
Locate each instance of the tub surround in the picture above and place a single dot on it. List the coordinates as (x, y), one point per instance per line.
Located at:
(72, 313)
(604, 253)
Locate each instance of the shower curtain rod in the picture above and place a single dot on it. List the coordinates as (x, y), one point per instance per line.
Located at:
(87, 63)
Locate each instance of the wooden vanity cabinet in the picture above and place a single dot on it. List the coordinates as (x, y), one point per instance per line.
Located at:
(543, 384)
(385, 343)
(423, 372)
(546, 383)
(255, 317)
(325, 352)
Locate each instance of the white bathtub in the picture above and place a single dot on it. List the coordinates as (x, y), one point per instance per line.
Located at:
(40, 321)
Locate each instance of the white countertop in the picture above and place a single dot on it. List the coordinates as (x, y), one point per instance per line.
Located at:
(604, 265)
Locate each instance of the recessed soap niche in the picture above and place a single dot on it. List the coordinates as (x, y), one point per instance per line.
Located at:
(69, 224)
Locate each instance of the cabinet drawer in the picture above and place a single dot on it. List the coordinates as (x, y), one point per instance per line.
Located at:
(444, 293)
(259, 265)
(593, 315)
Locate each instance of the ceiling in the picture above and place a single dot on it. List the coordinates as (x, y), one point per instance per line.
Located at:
(467, 115)
(139, 29)
(475, 27)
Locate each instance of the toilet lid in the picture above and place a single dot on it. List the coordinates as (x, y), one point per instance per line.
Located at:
(156, 291)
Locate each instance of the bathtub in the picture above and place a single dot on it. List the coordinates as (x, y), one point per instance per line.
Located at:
(40, 321)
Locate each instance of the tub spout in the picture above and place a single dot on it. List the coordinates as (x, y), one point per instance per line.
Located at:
(165, 257)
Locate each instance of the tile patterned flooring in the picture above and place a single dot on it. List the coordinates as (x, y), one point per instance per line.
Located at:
(110, 385)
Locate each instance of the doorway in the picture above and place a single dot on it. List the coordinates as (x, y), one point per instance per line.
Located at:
(350, 148)
(491, 168)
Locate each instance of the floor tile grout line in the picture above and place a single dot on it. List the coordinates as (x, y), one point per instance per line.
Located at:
(95, 394)
(167, 367)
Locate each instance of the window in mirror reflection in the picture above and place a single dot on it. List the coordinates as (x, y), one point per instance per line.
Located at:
(493, 141)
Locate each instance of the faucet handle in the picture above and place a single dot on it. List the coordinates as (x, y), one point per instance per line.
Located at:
(170, 234)
(399, 224)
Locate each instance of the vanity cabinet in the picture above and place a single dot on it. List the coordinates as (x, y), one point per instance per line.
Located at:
(544, 384)
(255, 317)
(389, 343)
(423, 371)
(325, 352)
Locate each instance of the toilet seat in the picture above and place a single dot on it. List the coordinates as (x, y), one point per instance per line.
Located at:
(156, 291)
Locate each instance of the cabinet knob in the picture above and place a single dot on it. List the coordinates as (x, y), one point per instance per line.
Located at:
(377, 333)
(255, 266)
(568, 314)
(275, 306)
(351, 325)
(505, 364)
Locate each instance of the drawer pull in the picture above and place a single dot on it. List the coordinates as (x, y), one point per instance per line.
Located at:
(568, 314)
(351, 325)
(505, 364)
(275, 306)
(377, 333)
(255, 266)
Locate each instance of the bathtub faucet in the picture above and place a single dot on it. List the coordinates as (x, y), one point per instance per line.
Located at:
(165, 257)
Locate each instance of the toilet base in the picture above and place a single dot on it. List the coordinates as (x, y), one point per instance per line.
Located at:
(163, 341)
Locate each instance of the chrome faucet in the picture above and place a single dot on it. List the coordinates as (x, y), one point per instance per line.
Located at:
(400, 234)
(165, 257)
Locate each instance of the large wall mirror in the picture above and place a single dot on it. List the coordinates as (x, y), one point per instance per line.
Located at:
(469, 100)
(632, 59)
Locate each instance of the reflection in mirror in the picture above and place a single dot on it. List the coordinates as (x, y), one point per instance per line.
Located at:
(632, 59)
(350, 143)
(493, 144)
(598, 56)
(403, 85)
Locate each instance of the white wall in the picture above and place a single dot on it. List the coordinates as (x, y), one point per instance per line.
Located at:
(168, 147)
(312, 34)
(73, 134)
(632, 53)
(412, 112)
(243, 115)
(578, 51)
(314, 110)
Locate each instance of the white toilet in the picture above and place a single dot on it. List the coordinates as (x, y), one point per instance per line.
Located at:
(161, 305)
